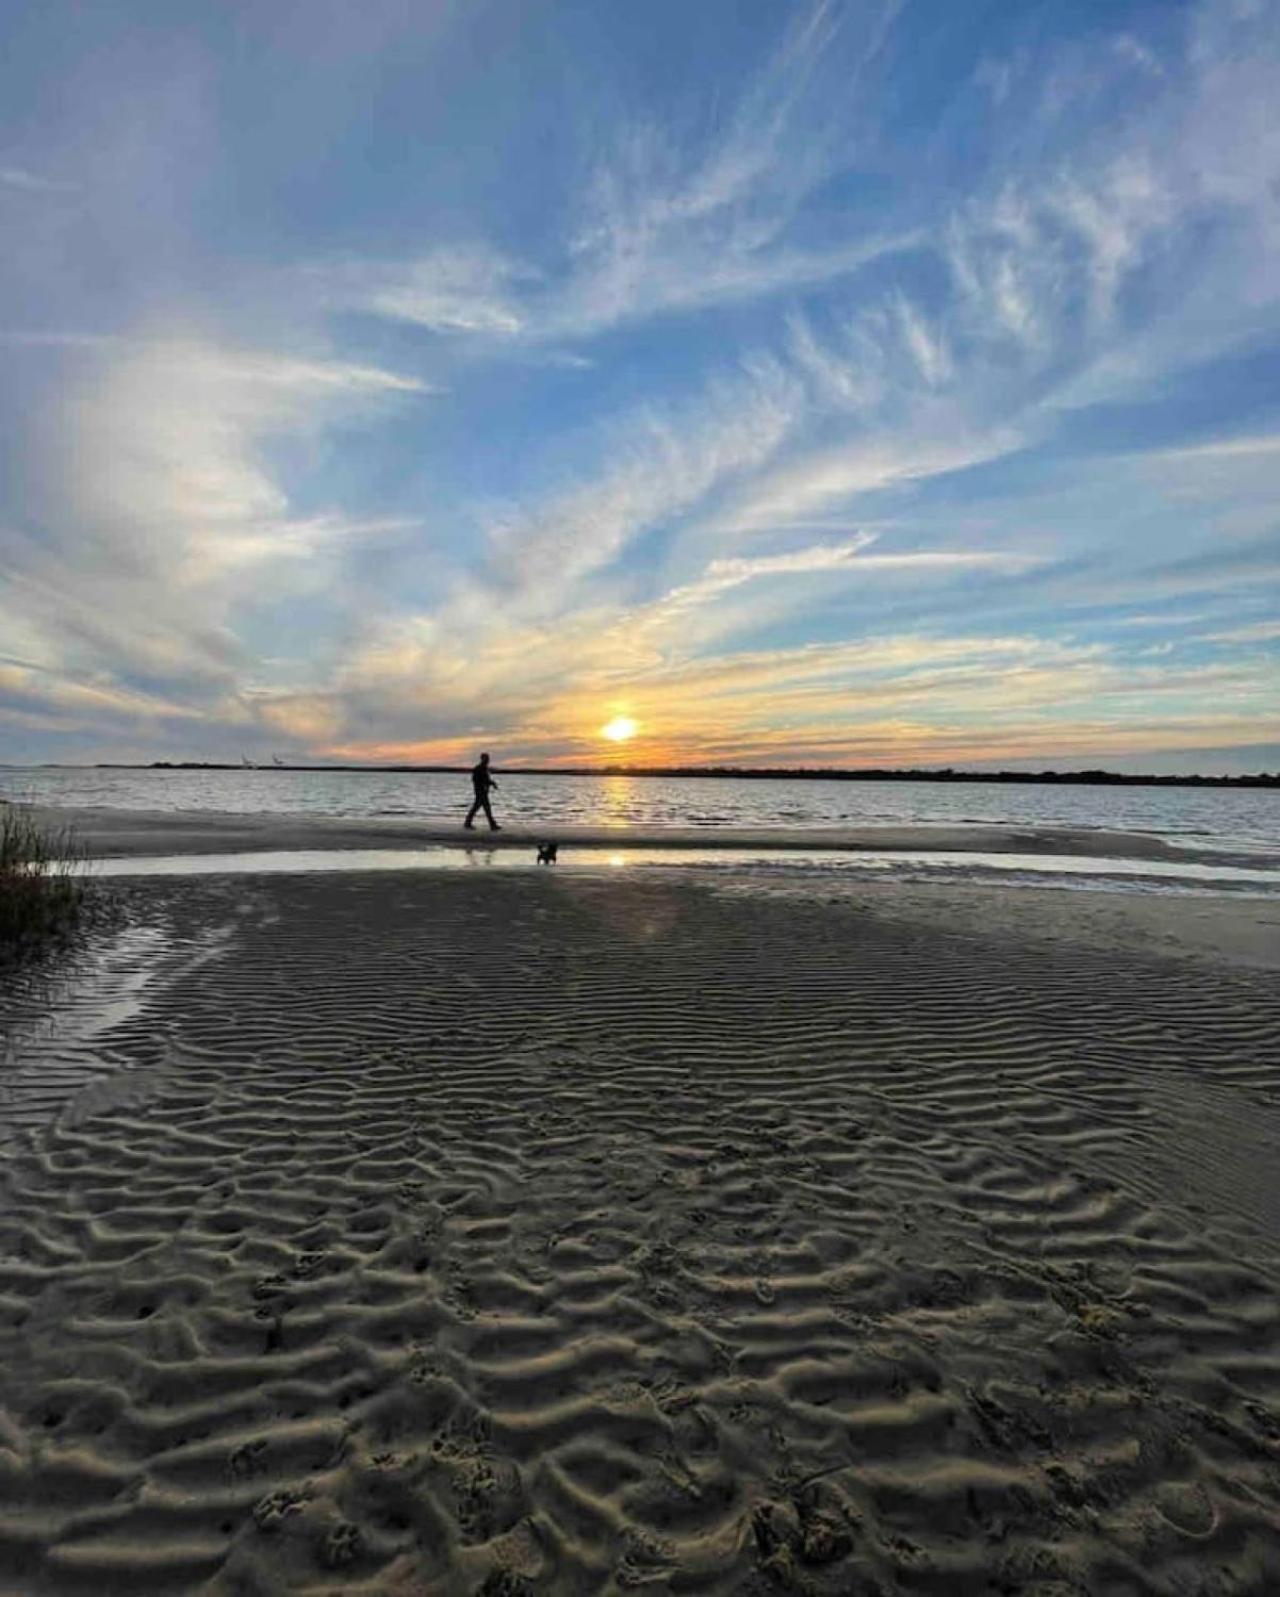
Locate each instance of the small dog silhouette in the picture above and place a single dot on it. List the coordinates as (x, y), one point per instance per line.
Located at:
(547, 853)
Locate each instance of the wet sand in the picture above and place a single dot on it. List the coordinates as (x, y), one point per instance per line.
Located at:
(123, 833)
(521, 1233)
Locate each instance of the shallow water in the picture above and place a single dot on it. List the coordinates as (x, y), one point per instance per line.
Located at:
(50, 1026)
(919, 864)
(1229, 819)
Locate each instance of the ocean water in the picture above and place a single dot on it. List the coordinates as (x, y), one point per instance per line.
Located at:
(1237, 820)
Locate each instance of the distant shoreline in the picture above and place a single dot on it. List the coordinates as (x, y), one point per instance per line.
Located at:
(1087, 778)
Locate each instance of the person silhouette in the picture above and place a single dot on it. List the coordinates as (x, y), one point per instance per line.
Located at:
(482, 781)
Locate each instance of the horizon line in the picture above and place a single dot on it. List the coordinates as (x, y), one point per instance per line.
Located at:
(1088, 775)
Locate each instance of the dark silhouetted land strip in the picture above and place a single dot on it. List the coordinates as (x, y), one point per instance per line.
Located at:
(1089, 778)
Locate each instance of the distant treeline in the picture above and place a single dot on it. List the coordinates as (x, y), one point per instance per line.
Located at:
(761, 773)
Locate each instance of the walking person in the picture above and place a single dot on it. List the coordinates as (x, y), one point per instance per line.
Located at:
(482, 781)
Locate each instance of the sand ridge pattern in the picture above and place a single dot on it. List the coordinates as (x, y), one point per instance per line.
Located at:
(541, 1234)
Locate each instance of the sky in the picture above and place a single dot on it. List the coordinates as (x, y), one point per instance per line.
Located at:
(867, 382)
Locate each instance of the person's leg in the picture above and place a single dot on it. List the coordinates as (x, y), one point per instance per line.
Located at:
(488, 810)
(474, 810)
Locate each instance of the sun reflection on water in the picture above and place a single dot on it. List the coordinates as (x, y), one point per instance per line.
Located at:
(619, 800)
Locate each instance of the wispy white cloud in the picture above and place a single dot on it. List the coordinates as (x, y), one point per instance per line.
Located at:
(470, 289)
(1135, 53)
(173, 517)
(658, 468)
(49, 691)
(820, 481)
(849, 558)
(18, 177)
(1165, 619)
(1263, 445)
(671, 219)
(1252, 632)
(170, 435)
(1041, 263)
(671, 223)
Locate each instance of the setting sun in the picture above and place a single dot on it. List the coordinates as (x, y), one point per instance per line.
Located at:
(620, 729)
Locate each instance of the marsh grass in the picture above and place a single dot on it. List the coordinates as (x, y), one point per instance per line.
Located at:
(42, 886)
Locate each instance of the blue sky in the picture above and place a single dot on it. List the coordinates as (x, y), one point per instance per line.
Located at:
(844, 383)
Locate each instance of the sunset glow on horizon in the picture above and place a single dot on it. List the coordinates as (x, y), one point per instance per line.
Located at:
(831, 382)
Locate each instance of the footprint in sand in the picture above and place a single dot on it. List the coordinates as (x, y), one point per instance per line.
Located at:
(341, 1545)
(1188, 1508)
(279, 1505)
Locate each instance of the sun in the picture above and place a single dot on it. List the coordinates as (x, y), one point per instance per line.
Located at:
(620, 729)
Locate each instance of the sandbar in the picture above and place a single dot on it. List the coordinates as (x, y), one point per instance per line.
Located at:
(120, 833)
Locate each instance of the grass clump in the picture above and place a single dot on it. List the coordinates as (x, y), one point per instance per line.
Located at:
(42, 888)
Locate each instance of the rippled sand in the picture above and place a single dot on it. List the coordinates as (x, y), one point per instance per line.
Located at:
(548, 1233)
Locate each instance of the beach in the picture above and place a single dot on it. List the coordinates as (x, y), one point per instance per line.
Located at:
(555, 1231)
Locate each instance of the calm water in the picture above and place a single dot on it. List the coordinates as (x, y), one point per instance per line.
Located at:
(1244, 820)
(912, 865)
